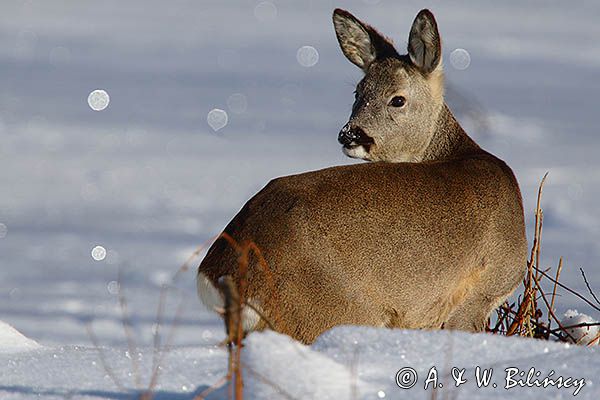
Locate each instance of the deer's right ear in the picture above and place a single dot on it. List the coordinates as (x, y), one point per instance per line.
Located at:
(360, 43)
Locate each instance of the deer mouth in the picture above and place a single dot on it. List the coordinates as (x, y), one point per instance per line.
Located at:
(365, 142)
(360, 151)
(359, 148)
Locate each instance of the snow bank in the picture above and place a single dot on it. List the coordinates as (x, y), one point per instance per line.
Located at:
(12, 340)
(294, 370)
(369, 360)
(343, 361)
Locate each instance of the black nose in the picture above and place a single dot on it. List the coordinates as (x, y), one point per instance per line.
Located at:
(350, 134)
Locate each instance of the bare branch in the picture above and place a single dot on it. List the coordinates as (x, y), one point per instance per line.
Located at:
(588, 286)
(128, 328)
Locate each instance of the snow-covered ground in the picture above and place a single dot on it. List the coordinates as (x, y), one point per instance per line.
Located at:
(344, 363)
(149, 180)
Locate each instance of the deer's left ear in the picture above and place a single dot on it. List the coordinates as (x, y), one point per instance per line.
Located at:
(424, 43)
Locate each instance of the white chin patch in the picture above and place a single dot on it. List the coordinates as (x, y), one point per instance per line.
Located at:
(356, 152)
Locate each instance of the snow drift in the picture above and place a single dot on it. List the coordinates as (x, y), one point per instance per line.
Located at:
(12, 340)
(344, 363)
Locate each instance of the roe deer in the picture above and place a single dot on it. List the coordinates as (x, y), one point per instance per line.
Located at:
(429, 235)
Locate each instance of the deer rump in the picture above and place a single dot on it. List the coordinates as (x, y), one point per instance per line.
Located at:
(400, 245)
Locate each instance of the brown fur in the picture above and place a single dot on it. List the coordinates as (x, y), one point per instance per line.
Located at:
(421, 245)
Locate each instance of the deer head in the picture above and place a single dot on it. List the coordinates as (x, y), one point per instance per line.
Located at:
(399, 99)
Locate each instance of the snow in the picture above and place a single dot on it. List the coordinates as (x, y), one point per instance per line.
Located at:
(237, 103)
(265, 11)
(12, 340)
(583, 334)
(460, 59)
(217, 119)
(98, 253)
(98, 100)
(307, 56)
(149, 181)
(344, 362)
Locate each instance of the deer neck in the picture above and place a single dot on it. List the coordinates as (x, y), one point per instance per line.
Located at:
(449, 140)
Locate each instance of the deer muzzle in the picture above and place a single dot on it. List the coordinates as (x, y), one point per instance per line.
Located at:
(353, 136)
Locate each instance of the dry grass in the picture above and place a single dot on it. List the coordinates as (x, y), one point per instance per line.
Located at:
(160, 349)
(235, 301)
(533, 315)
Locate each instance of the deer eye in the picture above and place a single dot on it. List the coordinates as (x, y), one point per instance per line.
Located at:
(398, 101)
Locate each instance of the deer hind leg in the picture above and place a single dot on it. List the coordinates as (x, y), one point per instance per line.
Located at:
(493, 284)
(472, 314)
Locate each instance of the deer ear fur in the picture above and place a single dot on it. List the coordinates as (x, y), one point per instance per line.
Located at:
(424, 43)
(360, 43)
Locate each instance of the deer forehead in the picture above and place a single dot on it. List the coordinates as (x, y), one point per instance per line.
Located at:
(389, 77)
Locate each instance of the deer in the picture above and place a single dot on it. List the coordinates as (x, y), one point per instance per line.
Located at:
(428, 234)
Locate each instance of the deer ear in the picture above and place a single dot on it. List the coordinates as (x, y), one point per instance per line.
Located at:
(424, 43)
(360, 43)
